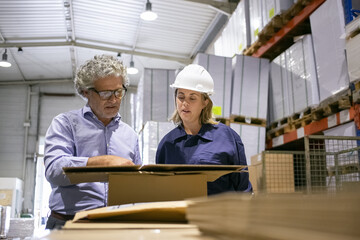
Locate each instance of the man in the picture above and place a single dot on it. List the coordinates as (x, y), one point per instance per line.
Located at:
(91, 136)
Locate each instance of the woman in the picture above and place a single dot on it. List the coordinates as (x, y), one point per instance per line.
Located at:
(198, 139)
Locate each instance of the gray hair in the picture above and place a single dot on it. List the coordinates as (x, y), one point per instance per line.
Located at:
(99, 67)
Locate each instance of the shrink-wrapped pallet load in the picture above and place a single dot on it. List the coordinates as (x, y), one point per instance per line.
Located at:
(220, 69)
(155, 97)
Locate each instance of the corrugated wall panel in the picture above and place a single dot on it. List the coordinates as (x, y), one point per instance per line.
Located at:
(12, 110)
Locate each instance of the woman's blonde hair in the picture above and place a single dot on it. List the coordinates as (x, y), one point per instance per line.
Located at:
(206, 116)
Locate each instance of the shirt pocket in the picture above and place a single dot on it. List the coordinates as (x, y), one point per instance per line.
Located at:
(221, 158)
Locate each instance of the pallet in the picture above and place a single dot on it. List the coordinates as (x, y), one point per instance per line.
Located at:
(301, 114)
(252, 49)
(302, 122)
(279, 123)
(275, 24)
(332, 105)
(280, 130)
(248, 120)
(225, 121)
(355, 88)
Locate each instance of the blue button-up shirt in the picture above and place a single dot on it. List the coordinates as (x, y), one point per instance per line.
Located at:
(214, 144)
(71, 139)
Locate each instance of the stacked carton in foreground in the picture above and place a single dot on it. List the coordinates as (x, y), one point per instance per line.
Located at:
(287, 216)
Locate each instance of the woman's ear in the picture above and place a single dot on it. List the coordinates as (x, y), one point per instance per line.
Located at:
(205, 103)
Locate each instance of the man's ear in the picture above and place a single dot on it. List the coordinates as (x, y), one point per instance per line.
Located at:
(86, 93)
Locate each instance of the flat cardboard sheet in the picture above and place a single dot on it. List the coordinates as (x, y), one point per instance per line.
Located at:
(171, 211)
(101, 174)
(111, 225)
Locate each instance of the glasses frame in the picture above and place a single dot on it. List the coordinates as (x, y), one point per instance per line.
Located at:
(102, 94)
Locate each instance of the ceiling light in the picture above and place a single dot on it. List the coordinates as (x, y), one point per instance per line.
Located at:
(148, 14)
(4, 62)
(132, 69)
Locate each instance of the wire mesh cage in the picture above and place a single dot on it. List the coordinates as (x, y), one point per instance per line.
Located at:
(328, 164)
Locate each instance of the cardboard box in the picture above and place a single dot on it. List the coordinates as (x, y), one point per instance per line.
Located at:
(149, 183)
(272, 173)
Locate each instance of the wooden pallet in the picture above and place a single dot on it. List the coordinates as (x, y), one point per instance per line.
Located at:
(275, 25)
(301, 122)
(225, 121)
(332, 105)
(301, 114)
(248, 120)
(253, 48)
(280, 130)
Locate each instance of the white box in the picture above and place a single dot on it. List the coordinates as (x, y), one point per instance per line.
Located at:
(250, 86)
(328, 31)
(353, 57)
(272, 8)
(150, 137)
(220, 68)
(233, 39)
(253, 138)
(155, 97)
(11, 194)
(293, 80)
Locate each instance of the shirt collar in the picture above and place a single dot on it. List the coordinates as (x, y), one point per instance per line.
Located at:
(206, 132)
(87, 111)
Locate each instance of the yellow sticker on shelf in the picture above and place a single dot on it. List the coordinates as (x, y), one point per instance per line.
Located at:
(271, 13)
(217, 110)
(256, 32)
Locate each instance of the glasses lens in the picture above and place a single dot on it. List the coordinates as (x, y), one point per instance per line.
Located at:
(120, 93)
(105, 94)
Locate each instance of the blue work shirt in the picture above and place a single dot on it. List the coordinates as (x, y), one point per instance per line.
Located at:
(214, 144)
(71, 139)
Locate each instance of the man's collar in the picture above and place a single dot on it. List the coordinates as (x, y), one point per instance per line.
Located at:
(87, 111)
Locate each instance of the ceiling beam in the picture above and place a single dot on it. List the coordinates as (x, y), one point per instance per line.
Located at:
(32, 82)
(227, 6)
(95, 45)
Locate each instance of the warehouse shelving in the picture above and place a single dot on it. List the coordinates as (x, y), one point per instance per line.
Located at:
(336, 119)
(283, 39)
(278, 43)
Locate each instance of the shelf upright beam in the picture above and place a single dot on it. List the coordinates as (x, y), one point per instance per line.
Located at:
(295, 21)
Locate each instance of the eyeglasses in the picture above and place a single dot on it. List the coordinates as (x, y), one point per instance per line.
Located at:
(105, 95)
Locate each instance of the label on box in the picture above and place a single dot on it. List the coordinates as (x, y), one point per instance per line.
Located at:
(271, 12)
(217, 110)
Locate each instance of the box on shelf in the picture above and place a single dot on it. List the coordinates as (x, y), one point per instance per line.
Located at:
(272, 8)
(234, 37)
(328, 31)
(150, 137)
(155, 96)
(293, 80)
(250, 86)
(220, 68)
(253, 138)
(353, 57)
(11, 194)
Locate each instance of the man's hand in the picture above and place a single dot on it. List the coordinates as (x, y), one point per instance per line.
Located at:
(109, 160)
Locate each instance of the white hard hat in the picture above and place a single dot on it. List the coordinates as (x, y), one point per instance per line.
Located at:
(194, 77)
